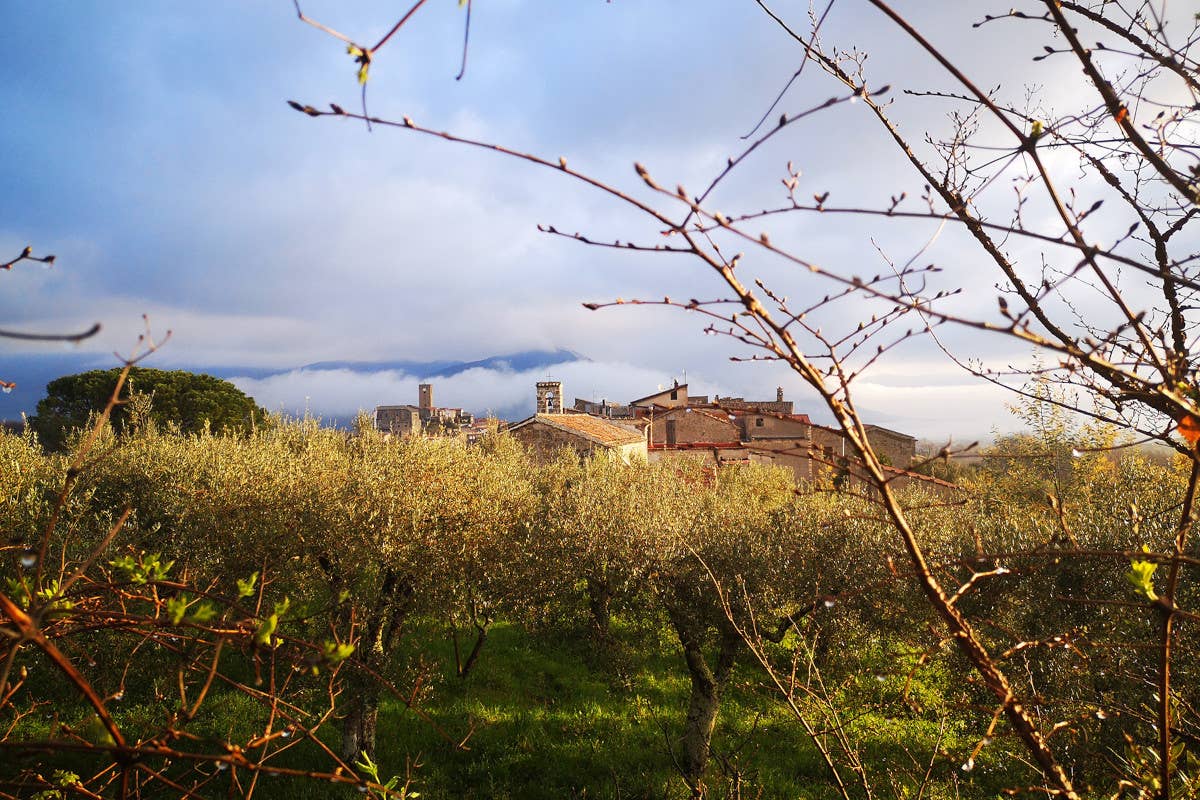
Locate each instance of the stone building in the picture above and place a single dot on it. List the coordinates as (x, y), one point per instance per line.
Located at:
(675, 397)
(783, 439)
(776, 406)
(398, 420)
(425, 400)
(756, 424)
(407, 420)
(552, 429)
(546, 435)
(671, 427)
(604, 409)
(730, 429)
(896, 449)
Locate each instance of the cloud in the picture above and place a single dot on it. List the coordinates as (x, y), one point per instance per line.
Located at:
(341, 393)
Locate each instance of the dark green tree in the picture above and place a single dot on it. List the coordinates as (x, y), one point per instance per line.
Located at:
(184, 399)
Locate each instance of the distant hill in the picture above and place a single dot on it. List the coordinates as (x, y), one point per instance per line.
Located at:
(31, 373)
(515, 362)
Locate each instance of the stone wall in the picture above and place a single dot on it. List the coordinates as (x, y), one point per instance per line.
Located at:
(793, 455)
(546, 442)
(767, 426)
(398, 420)
(693, 426)
(742, 404)
(896, 449)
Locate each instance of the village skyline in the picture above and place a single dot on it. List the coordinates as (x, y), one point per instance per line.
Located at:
(498, 385)
(668, 423)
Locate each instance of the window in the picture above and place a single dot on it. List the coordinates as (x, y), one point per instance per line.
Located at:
(758, 422)
(674, 394)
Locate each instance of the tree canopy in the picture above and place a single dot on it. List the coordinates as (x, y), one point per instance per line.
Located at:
(185, 399)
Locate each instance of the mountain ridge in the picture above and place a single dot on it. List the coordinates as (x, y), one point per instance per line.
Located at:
(31, 372)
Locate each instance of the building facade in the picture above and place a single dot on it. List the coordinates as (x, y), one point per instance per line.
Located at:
(547, 435)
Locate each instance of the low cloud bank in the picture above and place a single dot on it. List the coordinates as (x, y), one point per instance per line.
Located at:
(340, 393)
(940, 407)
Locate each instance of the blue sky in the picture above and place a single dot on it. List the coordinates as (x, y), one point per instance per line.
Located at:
(148, 145)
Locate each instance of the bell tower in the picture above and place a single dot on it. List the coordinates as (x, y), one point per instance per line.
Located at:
(549, 397)
(425, 401)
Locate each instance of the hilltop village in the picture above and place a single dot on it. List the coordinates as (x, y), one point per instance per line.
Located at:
(670, 423)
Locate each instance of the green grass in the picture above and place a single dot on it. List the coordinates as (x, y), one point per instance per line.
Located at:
(555, 718)
(552, 715)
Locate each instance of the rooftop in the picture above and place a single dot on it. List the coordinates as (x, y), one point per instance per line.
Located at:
(594, 428)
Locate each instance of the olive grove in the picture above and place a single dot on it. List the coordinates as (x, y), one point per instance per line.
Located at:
(1029, 632)
(1078, 209)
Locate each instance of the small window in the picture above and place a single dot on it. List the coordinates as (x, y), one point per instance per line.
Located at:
(674, 394)
(758, 423)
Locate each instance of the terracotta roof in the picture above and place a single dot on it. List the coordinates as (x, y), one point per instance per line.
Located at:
(595, 429)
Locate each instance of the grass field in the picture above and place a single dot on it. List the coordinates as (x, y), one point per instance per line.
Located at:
(550, 715)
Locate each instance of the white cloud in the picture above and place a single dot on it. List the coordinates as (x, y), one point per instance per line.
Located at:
(341, 392)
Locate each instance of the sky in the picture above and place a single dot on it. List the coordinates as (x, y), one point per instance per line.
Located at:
(149, 146)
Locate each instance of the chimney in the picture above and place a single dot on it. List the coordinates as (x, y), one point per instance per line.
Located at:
(779, 394)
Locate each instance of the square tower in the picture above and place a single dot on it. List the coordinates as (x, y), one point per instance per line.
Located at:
(549, 397)
(425, 401)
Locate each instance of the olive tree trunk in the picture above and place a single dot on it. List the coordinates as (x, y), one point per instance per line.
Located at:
(361, 688)
(600, 596)
(704, 701)
(359, 724)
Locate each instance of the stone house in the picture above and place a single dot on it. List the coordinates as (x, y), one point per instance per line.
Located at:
(398, 420)
(766, 432)
(675, 397)
(546, 435)
(757, 424)
(761, 431)
(896, 449)
(690, 425)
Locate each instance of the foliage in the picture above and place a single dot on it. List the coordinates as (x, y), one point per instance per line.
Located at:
(750, 599)
(185, 399)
